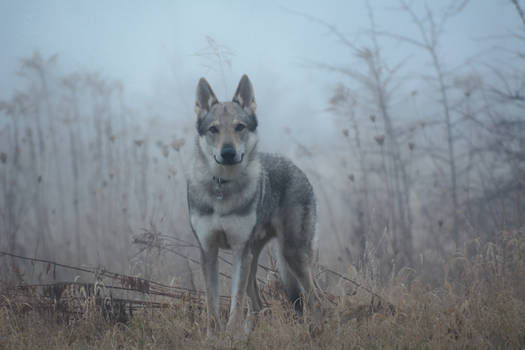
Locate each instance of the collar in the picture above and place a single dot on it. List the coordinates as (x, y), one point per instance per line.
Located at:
(219, 191)
(220, 180)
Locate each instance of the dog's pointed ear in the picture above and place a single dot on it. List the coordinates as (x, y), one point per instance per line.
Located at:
(244, 95)
(204, 99)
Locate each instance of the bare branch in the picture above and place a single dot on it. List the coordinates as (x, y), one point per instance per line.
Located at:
(332, 28)
(519, 10)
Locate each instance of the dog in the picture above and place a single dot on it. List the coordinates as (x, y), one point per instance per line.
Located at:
(240, 199)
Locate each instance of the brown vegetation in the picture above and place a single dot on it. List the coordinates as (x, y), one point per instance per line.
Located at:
(479, 305)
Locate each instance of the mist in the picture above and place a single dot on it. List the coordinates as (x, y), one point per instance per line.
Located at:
(408, 121)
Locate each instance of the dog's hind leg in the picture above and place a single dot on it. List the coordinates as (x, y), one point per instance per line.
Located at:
(301, 269)
(291, 285)
(300, 265)
(211, 277)
(296, 247)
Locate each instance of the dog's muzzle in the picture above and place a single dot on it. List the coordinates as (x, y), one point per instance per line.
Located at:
(229, 156)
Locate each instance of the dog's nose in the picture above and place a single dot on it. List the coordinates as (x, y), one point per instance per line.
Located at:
(228, 153)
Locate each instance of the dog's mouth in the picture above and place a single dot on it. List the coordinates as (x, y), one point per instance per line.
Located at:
(228, 162)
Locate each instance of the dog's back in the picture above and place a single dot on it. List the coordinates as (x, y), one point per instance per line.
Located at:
(285, 187)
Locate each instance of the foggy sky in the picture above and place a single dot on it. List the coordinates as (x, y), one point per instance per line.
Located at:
(151, 46)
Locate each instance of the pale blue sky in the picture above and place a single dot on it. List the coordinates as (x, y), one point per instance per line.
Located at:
(150, 45)
(135, 40)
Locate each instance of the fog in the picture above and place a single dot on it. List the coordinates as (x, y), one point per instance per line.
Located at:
(408, 122)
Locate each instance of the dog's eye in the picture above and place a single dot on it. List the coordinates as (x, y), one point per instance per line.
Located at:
(239, 127)
(213, 130)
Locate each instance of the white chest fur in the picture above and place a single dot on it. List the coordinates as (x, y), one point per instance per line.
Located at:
(233, 217)
(226, 231)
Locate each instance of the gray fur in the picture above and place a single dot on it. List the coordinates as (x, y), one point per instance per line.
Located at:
(245, 205)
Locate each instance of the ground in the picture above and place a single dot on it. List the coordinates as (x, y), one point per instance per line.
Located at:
(480, 305)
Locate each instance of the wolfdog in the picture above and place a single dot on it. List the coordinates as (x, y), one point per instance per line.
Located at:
(240, 199)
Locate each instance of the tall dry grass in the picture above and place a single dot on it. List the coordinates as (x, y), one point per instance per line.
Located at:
(479, 305)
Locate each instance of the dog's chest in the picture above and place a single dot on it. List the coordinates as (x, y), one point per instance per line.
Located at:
(227, 225)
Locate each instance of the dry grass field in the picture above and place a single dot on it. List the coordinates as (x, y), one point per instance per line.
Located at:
(480, 305)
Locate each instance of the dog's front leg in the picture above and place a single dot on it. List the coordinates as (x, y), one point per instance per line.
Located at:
(211, 277)
(242, 259)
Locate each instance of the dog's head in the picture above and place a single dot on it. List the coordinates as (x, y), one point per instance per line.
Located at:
(227, 130)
